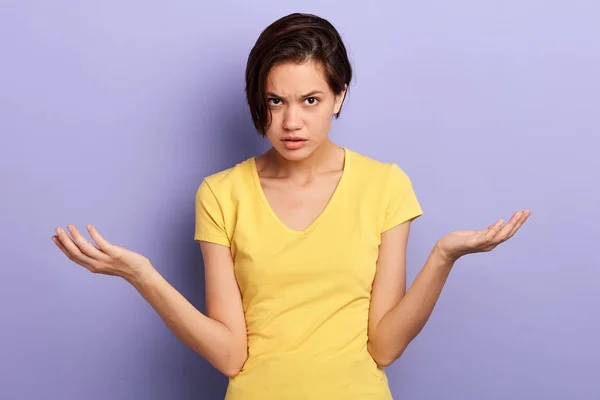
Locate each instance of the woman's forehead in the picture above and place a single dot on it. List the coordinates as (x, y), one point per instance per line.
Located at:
(297, 78)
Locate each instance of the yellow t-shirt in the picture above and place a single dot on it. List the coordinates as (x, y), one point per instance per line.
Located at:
(306, 294)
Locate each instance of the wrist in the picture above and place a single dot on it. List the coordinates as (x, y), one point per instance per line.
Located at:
(142, 275)
(442, 257)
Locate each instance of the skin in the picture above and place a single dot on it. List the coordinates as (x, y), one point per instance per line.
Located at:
(311, 174)
(301, 105)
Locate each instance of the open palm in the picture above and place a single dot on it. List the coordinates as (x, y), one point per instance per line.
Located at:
(101, 256)
(459, 243)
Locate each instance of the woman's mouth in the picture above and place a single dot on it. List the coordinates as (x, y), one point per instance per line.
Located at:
(294, 143)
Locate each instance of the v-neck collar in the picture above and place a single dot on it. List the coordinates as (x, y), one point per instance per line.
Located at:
(328, 206)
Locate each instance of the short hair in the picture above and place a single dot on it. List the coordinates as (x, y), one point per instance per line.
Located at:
(297, 37)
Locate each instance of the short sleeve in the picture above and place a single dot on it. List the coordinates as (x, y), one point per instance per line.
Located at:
(210, 221)
(401, 203)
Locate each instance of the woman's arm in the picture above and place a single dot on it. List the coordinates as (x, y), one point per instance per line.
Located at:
(396, 317)
(219, 337)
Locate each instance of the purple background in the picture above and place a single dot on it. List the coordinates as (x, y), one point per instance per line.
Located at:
(113, 111)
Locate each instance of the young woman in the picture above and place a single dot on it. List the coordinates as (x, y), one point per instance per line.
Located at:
(304, 246)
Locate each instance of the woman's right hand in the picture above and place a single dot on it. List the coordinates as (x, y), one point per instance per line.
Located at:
(103, 257)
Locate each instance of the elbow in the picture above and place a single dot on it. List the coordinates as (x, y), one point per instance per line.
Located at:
(384, 357)
(232, 365)
(383, 360)
(231, 371)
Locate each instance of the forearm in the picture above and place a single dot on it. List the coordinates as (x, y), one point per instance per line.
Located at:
(206, 336)
(405, 320)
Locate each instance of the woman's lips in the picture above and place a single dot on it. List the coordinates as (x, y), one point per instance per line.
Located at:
(294, 144)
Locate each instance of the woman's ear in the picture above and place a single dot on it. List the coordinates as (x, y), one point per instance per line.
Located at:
(339, 100)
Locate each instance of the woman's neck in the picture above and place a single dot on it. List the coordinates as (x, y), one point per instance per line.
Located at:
(328, 157)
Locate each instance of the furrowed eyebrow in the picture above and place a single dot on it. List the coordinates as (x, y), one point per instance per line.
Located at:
(309, 94)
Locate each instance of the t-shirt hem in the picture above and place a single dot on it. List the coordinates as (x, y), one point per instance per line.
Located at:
(206, 237)
(400, 219)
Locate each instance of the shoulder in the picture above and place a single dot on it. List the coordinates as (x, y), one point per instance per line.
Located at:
(225, 185)
(225, 181)
(389, 189)
(376, 171)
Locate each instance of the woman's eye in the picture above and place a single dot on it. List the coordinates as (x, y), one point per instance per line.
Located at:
(311, 101)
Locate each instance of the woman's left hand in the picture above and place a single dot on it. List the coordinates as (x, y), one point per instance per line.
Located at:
(459, 243)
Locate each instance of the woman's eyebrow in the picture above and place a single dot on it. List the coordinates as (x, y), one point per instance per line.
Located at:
(311, 93)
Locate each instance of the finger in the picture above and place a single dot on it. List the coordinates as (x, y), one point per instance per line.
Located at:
(520, 223)
(102, 243)
(70, 256)
(86, 247)
(511, 227)
(504, 233)
(487, 236)
(478, 234)
(62, 248)
(494, 229)
(72, 248)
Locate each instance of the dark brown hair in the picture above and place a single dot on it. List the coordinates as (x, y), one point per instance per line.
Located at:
(294, 38)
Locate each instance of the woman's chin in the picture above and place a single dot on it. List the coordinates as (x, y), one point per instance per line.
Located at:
(294, 153)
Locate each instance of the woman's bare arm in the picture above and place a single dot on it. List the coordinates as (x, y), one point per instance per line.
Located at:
(219, 336)
(397, 316)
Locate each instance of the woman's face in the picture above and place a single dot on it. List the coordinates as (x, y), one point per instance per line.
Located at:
(302, 107)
